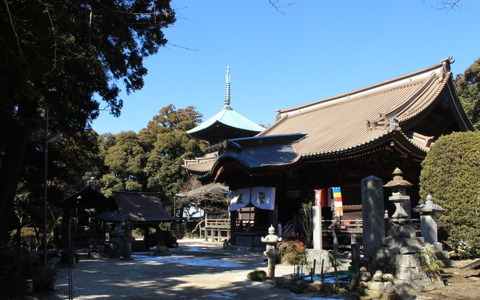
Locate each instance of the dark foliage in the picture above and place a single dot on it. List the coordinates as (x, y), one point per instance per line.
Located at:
(450, 173)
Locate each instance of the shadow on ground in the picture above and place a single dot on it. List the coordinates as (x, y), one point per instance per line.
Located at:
(189, 272)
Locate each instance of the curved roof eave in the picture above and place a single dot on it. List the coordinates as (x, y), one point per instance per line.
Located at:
(395, 135)
(228, 117)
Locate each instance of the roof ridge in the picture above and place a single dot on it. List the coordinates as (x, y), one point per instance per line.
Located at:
(269, 128)
(353, 99)
(432, 96)
(444, 64)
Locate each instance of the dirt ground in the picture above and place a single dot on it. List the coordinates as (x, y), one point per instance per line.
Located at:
(199, 270)
(461, 284)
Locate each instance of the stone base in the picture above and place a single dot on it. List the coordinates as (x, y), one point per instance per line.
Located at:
(404, 257)
(400, 231)
(319, 256)
(409, 287)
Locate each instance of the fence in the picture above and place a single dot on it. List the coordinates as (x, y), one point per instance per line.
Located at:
(215, 230)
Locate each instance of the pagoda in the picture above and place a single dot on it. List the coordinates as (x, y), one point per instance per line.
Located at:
(226, 124)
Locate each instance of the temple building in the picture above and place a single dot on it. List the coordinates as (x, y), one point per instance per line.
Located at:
(333, 142)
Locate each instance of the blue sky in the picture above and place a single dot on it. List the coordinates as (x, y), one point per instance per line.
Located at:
(314, 49)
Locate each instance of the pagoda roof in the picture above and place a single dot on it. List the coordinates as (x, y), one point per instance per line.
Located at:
(359, 122)
(226, 118)
(227, 123)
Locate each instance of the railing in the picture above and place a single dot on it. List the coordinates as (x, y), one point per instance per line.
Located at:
(350, 232)
(215, 230)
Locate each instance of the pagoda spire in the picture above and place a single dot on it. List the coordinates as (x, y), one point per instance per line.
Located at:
(227, 89)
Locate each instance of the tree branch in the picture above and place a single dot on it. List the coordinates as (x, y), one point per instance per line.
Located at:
(277, 7)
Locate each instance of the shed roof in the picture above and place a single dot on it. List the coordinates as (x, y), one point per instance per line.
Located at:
(137, 208)
(88, 197)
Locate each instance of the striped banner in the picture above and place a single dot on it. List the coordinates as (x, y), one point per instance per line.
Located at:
(337, 201)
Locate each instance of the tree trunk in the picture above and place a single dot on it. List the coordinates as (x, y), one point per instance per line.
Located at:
(12, 161)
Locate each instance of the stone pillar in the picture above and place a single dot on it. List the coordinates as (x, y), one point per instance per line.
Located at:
(428, 219)
(317, 227)
(372, 214)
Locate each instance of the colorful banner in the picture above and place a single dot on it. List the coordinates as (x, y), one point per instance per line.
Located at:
(337, 201)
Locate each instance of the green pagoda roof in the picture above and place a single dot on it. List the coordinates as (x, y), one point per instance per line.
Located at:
(227, 123)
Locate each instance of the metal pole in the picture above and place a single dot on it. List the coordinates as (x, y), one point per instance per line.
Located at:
(45, 200)
(70, 261)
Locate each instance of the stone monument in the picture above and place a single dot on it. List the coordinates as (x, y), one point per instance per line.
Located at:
(372, 214)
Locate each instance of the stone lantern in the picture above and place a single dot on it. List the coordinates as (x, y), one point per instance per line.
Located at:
(428, 219)
(128, 239)
(271, 251)
(402, 201)
(399, 196)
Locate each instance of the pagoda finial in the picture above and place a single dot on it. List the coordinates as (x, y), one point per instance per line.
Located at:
(227, 89)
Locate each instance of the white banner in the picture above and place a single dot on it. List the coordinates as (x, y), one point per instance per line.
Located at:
(263, 197)
(239, 199)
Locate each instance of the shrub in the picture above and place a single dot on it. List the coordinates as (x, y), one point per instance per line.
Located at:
(292, 252)
(44, 278)
(450, 173)
(257, 275)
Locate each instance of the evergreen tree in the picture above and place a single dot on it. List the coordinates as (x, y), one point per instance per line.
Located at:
(66, 56)
(450, 173)
(468, 90)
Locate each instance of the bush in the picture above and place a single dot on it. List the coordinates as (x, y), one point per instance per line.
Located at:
(16, 266)
(292, 252)
(44, 278)
(450, 173)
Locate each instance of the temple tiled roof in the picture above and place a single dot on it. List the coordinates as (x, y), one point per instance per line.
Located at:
(358, 119)
(200, 165)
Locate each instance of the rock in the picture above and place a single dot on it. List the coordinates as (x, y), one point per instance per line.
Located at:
(365, 276)
(373, 294)
(329, 287)
(376, 286)
(299, 286)
(388, 296)
(388, 287)
(315, 287)
(378, 276)
(388, 277)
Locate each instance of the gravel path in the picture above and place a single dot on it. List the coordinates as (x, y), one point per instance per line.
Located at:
(194, 270)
